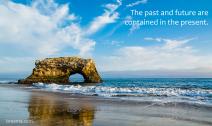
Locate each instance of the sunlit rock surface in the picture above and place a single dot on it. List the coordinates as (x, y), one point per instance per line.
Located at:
(58, 70)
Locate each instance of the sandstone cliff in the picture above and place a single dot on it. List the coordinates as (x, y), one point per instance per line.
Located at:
(58, 70)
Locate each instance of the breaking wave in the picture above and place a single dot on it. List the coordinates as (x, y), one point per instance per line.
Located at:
(195, 94)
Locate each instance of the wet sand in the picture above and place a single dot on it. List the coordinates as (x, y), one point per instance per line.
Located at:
(21, 106)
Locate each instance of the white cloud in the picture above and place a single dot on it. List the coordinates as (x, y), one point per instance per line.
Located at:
(153, 39)
(169, 43)
(172, 44)
(137, 3)
(44, 28)
(113, 43)
(134, 28)
(109, 16)
(116, 43)
(171, 55)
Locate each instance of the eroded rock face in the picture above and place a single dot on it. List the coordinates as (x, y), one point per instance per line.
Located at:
(58, 70)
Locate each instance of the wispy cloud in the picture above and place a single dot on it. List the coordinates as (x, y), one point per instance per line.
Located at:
(169, 55)
(112, 43)
(170, 43)
(46, 28)
(153, 39)
(137, 3)
(109, 16)
(43, 28)
(134, 27)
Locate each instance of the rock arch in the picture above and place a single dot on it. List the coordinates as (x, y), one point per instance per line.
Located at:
(58, 70)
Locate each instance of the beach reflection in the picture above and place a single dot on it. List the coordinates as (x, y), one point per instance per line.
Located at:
(49, 111)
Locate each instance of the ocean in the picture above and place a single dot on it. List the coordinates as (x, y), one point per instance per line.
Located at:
(161, 90)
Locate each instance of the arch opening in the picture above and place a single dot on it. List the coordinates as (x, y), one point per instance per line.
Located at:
(76, 78)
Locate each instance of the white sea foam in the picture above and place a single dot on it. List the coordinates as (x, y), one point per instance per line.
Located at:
(125, 91)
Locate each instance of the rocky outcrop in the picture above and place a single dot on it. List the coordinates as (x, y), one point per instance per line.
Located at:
(58, 70)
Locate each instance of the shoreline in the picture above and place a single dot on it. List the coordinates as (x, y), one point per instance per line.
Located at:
(117, 98)
(67, 109)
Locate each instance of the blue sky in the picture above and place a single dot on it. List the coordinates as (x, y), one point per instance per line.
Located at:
(94, 29)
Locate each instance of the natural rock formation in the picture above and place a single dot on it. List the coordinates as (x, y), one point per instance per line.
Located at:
(58, 70)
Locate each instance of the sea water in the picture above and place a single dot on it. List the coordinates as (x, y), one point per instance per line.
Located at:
(163, 90)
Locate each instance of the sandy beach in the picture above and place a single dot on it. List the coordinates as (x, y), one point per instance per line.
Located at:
(25, 106)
